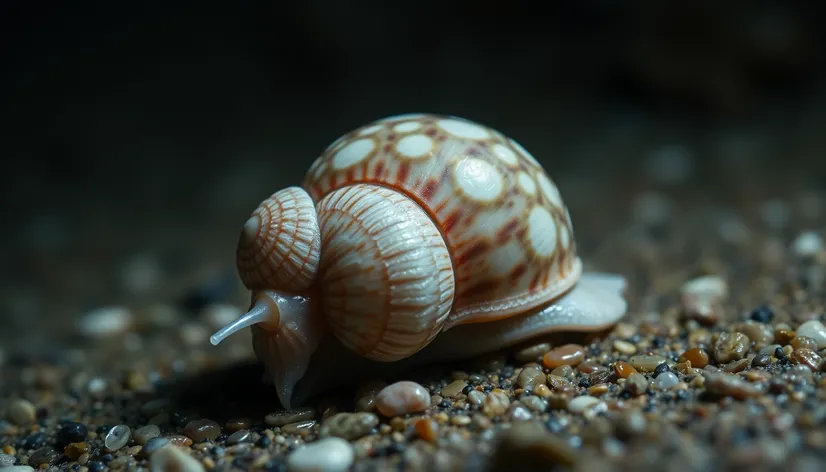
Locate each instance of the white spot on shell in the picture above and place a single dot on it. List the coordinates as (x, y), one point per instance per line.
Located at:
(353, 153)
(505, 154)
(525, 153)
(407, 127)
(464, 129)
(478, 179)
(416, 146)
(542, 231)
(564, 238)
(549, 189)
(504, 259)
(371, 130)
(526, 183)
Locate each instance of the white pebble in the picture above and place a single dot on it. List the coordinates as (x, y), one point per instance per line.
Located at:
(105, 321)
(710, 286)
(814, 329)
(171, 457)
(19, 468)
(666, 380)
(582, 403)
(97, 387)
(807, 244)
(325, 455)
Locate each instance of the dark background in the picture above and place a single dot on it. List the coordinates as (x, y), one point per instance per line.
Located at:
(156, 127)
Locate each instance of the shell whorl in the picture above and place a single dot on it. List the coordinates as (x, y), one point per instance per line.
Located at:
(280, 245)
(386, 280)
(501, 216)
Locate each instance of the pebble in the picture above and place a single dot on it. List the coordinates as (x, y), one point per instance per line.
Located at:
(401, 398)
(117, 437)
(366, 395)
(281, 418)
(582, 403)
(19, 468)
(453, 388)
(813, 329)
(636, 384)
(349, 425)
(325, 455)
(7, 460)
(569, 354)
(645, 363)
(731, 386)
(44, 455)
(807, 244)
(530, 377)
(145, 433)
(105, 322)
(623, 369)
(696, 356)
(532, 353)
(731, 347)
(173, 458)
(624, 347)
(238, 437)
(22, 412)
(700, 298)
(154, 445)
(202, 430)
(427, 429)
(666, 380)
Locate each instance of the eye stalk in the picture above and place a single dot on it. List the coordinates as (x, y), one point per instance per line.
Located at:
(268, 310)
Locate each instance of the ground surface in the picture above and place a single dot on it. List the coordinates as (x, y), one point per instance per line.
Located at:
(748, 393)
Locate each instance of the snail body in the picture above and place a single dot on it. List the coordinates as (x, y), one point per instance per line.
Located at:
(414, 238)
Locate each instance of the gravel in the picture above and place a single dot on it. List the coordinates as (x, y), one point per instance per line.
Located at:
(719, 364)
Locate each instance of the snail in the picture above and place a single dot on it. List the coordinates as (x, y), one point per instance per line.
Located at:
(414, 238)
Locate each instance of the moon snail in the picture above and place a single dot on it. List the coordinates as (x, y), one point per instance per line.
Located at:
(412, 239)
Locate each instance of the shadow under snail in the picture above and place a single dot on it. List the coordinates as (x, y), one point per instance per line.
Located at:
(413, 239)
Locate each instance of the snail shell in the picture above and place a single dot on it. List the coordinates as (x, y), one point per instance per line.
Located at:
(413, 238)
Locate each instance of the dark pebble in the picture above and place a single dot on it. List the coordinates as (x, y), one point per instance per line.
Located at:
(467, 389)
(96, 466)
(71, 433)
(661, 369)
(264, 441)
(682, 395)
(761, 360)
(34, 441)
(445, 404)
(762, 314)
(781, 356)
(276, 465)
(107, 458)
(658, 342)
(554, 426)
(44, 455)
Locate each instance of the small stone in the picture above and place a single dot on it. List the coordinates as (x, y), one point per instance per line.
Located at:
(325, 455)
(666, 380)
(645, 363)
(427, 429)
(624, 347)
(202, 430)
(701, 298)
(44, 455)
(569, 354)
(366, 395)
(238, 437)
(453, 388)
(154, 445)
(807, 245)
(762, 314)
(698, 357)
(582, 403)
(18, 468)
(401, 398)
(280, 418)
(623, 369)
(636, 384)
(173, 458)
(475, 397)
(731, 347)
(532, 353)
(22, 412)
(530, 377)
(807, 358)
(145, 433)
(495, 404)
(813, 329)
(74, 450)
(117, 437)
(105, 322)
(7, 460)
(349, 426)
(731, 386)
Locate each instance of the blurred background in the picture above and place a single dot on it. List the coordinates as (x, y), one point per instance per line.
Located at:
(138, 136)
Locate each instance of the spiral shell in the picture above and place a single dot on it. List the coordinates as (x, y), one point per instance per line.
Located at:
(502, 219)
(280, 244)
